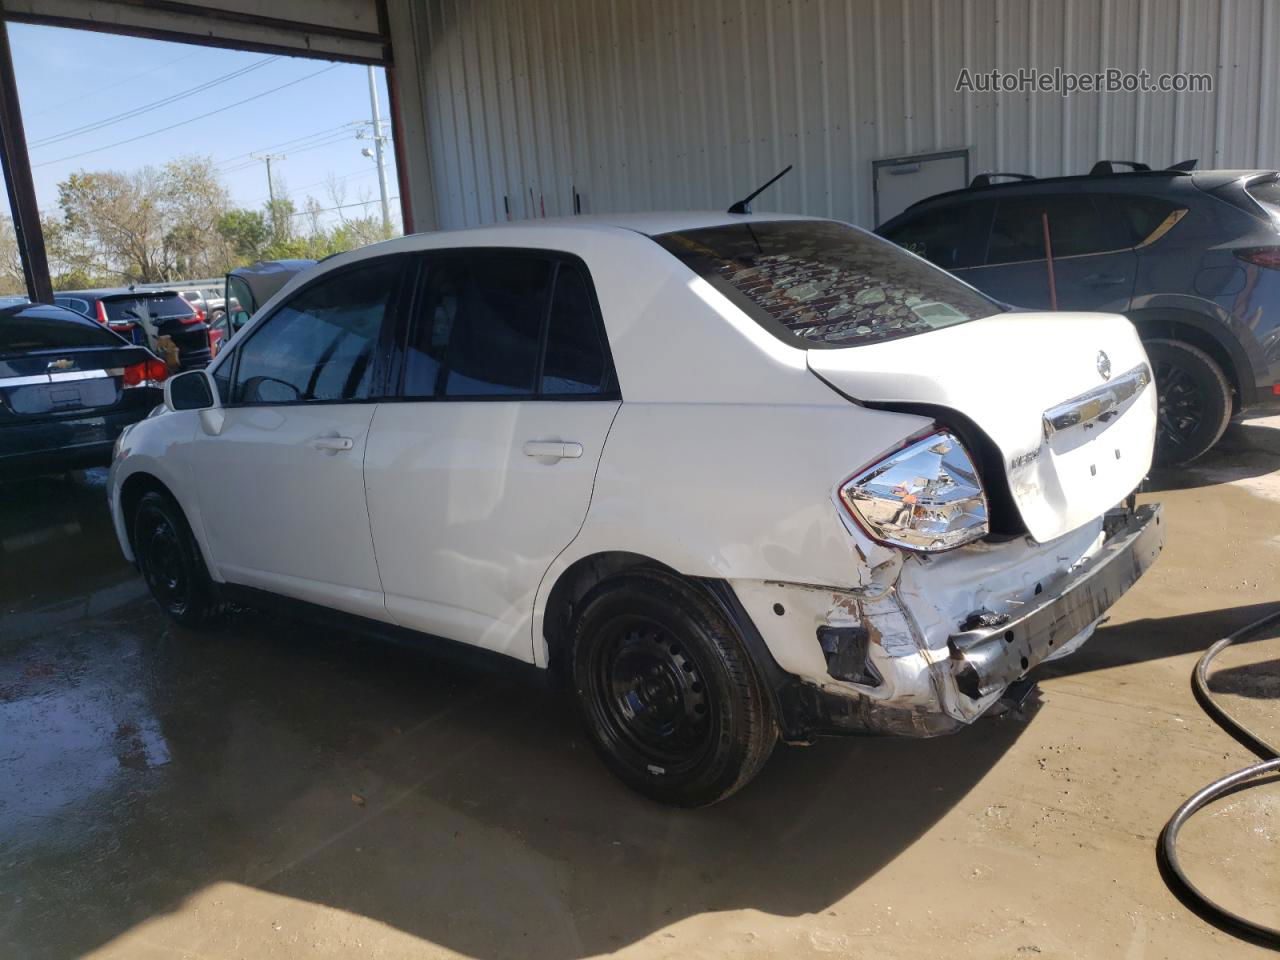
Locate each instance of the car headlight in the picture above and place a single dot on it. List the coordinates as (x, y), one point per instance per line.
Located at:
(926, 496)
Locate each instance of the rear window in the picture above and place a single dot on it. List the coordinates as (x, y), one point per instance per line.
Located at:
(133, 309)
(51, 328)
(826, 283)
(1266, 193)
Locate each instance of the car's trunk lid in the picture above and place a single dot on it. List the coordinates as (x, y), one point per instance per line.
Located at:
(44, 383)
(1048, 389)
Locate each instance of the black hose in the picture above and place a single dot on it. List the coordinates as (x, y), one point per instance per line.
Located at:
(1167, 847)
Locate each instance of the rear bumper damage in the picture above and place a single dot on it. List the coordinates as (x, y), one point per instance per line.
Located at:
(989, 659)
(940, 641)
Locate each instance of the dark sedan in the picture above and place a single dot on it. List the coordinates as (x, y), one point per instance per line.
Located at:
(68, 386)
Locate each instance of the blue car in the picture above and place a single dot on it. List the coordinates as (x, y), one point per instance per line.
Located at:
(1191, 257)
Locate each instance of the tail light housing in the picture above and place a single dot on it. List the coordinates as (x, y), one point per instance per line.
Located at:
(102, 314)
(1268, 257)
(215, 341)
(926, 496)
(197, 315)
(150, 373)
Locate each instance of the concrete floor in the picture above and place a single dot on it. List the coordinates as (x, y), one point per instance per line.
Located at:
(272, 790)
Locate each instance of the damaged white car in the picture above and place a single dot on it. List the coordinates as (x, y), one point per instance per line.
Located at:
(736, 478)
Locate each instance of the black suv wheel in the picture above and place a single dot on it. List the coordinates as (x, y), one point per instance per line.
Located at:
(1194, 401)
(667, 690)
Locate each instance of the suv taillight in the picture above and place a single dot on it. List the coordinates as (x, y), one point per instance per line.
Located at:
(196, 317)
(149, 373)
(1268, 257)
(926, 496)
(102, 313)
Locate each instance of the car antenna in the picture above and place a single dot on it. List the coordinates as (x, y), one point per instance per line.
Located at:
(744, 205)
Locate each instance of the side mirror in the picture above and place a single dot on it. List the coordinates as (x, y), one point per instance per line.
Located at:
(192, 390)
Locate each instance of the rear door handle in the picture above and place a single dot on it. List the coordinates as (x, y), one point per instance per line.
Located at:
(333, 444)
(1103, 280)
(554, 449)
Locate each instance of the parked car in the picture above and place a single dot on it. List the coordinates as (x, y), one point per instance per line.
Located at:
(15, 300)
(161, 320)
(67, 388)
(1191, 257)
(842, 491)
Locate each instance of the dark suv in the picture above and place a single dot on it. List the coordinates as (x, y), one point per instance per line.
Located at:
(1191, 257)
(157, 319)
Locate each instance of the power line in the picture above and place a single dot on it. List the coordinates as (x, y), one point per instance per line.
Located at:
(119, 83)
(341, 206)
(325, 181)
(340, 138)
(237, 158)
(148, 107)
(182, 123)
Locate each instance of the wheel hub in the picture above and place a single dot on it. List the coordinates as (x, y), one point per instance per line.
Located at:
(655, 695)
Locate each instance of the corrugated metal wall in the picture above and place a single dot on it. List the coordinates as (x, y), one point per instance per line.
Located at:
(647, 104)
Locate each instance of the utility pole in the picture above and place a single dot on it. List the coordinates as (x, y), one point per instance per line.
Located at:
(271, 186)
(378, 141)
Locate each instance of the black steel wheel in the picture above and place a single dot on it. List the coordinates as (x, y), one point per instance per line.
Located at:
(1194, 401)
(170, 562)
(667, 690)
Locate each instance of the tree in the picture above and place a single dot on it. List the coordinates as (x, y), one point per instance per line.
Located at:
(150, 225)
(246, 231)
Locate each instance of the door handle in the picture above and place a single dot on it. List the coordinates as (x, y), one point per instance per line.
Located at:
(553, 449)
(333, 444)
(1103, 280)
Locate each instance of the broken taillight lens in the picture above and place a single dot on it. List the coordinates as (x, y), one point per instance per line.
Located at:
(926, 496)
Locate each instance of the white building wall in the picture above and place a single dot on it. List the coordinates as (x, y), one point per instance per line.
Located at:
(645, 104)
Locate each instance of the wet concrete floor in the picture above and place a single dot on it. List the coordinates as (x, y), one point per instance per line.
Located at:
(270, 789)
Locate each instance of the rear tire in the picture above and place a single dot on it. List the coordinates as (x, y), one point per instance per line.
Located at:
(170, 561)
(667, 691)
(1194, 400)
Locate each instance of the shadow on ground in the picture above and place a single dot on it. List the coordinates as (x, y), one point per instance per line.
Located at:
(1246, 451)
(142, 763)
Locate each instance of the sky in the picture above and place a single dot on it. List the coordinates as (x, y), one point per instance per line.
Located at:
(82, 92)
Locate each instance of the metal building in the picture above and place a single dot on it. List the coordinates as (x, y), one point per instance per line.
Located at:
(642, 104)
(515, 107)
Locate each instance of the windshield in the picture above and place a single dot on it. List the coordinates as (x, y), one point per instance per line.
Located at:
(826, 283)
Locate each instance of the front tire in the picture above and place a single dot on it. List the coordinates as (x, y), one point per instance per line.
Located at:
(170, 561)
(1194, 401)
(667, 691)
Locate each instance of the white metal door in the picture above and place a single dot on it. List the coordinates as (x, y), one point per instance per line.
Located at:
(471, 501)
(282, 495)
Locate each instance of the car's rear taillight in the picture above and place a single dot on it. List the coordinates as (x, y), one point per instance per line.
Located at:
(215, 340)
(197, 317)
(926, 496)
(102, 313)
(149, 373)
(1268, 257)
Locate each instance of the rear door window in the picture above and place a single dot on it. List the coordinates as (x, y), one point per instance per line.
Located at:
(575, 361)
(1076, 228)
(1145, 219)
(323, 343)
(826, 284)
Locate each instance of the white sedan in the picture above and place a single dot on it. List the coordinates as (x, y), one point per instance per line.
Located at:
(738, 478)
